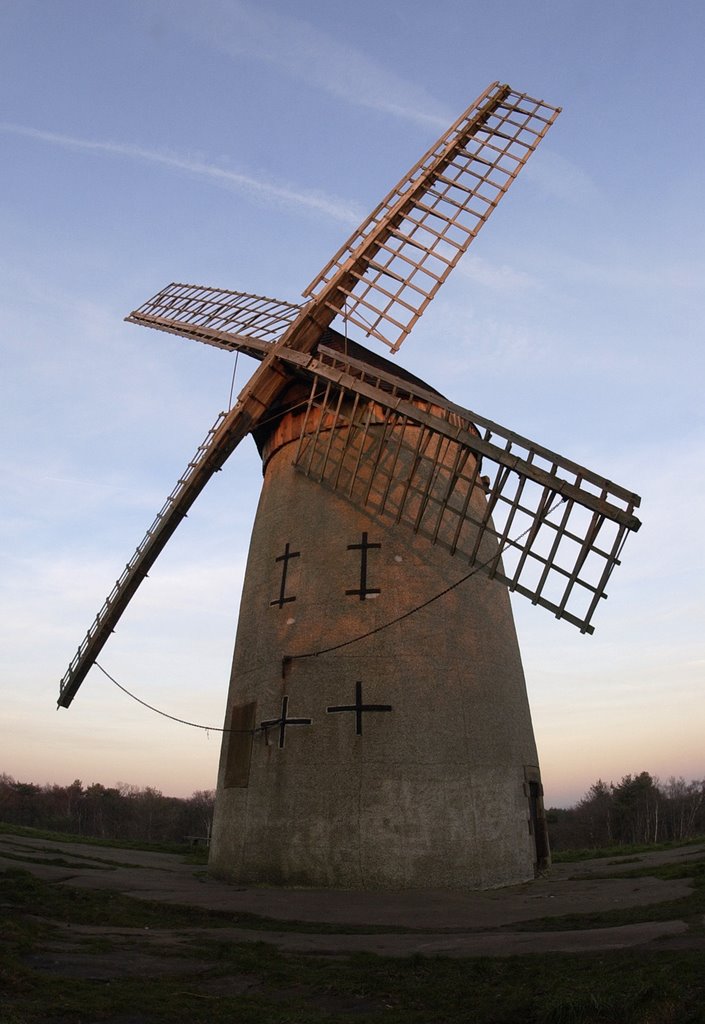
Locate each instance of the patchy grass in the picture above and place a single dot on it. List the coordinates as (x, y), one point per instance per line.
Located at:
(55, 862)
(35, 855)
(31, 854)
(569, 856)
(192, 854)
(252, 983)
(22, 891)
(690, 908)
(196, 978)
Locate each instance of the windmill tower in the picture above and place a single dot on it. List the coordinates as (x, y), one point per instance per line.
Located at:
(377, 729)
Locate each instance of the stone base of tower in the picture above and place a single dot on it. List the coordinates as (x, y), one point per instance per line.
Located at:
(415, 827)
(362, 753)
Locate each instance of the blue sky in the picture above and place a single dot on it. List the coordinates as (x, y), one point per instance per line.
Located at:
(237, 144)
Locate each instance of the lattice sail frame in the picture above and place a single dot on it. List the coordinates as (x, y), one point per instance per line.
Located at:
(217, 316)
(387, 272)
(382, 280)
(542, 525)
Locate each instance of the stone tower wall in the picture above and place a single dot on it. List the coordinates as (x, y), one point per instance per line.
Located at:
(432, 793)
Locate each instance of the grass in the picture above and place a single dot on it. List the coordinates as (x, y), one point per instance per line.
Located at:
(603, 852)
(26, 894)
(690, 908)
(253, 982)
(220, 980)
(192, 854)
(89, 907)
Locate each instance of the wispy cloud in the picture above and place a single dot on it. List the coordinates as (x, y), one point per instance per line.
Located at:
(321, 59)
(562, 179)
(500, 276)
(315, 201)
(627, 272)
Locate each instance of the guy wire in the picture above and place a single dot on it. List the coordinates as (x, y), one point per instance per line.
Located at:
(325, 650)
(182, 721)
(424, 604)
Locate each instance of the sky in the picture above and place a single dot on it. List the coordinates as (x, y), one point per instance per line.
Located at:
(237, 144)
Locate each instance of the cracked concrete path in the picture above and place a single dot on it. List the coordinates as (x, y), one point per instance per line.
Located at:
(448, 923)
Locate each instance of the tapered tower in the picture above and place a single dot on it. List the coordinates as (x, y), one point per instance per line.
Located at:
(379, 728)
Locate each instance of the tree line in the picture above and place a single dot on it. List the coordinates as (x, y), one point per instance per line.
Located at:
(107, 812)
(638, 810)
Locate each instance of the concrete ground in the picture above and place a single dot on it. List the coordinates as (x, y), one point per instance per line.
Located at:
(458, 923)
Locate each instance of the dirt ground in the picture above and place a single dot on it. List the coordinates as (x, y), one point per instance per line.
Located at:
(456, 924)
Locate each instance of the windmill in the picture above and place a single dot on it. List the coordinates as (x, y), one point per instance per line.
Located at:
(377, 730)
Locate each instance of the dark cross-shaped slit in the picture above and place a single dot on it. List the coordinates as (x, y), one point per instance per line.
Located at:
(358, 707)
(283, 722)
(284, 559)
(363, 548)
